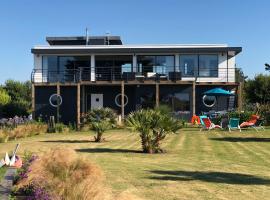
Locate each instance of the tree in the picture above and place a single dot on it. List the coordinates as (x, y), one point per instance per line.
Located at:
(4, 97)
(239, 75)
(20, 94)
(257, 90)
(153, 126)
(100, 120)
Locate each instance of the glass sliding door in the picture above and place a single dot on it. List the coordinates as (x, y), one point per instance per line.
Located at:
(111, 67)
(148, 65)
(189, 65)
(49, 69)
(73, 68)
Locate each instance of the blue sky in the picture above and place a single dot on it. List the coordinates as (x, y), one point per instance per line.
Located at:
(25, 23)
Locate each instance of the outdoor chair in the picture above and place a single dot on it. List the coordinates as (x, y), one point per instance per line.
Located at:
(208, 125)
(234, 124)
(201, 119)
(259, 125)
(253, 119)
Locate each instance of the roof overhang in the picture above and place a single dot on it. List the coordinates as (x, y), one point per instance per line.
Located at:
(133, 49)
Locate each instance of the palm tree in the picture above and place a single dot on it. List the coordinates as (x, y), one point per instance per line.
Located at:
(100, 120)
(153, 126)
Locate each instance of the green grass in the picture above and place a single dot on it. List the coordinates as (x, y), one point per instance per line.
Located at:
(197, 165)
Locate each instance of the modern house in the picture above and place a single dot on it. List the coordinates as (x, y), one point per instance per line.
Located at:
(101, 71)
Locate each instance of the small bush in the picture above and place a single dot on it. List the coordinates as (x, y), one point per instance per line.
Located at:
(60, 128)
(100, 120)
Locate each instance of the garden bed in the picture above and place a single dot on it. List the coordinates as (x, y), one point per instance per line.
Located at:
(2, 172)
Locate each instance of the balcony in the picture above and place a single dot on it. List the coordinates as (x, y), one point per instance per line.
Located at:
(155, 73)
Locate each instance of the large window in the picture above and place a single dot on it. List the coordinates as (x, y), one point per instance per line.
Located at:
(50, 68)
(208, 65)
(160, 64)
(66, 68)
(199, 65)
(188, 65)
(72, 68)
(111, 67)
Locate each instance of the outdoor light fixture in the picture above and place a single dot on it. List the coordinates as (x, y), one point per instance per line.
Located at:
(267, 67)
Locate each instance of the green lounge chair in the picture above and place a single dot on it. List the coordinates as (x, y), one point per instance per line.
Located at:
(234, 124)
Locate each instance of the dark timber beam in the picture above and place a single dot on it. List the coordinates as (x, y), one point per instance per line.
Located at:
(78, 105)
(157, 95)
(122, 100)
(193, 98)
(58, 108)
(239, 97)
(33, 101)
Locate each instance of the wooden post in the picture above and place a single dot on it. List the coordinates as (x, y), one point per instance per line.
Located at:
(194, 98)
(122, 100)
(78, 105)
(83, 99)
(33, 101)
(239, 97)
(157, 95)
(58, 107)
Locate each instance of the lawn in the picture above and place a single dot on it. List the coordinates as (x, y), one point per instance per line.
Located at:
(197, 165)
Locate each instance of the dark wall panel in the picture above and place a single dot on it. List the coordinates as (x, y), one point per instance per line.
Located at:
(43, 109)
(68, 109)
(109, 94)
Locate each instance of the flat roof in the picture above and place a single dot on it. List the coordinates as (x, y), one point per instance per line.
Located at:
(153, 48)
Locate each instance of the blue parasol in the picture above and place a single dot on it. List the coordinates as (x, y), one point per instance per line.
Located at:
(218, 92)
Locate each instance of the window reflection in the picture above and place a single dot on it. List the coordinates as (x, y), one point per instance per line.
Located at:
(208, 65)
(70, 66)
(156, 64)
(199, 65)
(188, 64)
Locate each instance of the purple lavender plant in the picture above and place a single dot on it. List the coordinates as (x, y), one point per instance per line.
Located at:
(39, 193)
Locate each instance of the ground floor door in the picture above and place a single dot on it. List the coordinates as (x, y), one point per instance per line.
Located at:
(96, 101)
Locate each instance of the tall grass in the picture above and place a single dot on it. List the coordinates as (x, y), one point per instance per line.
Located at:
(66, 176)
(22, 131)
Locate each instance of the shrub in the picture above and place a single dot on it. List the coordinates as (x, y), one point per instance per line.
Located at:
(100, 120)
(59, 176)
(60, 128)
(56, 176)
(243, 116)
(153, 126)
(264, 112)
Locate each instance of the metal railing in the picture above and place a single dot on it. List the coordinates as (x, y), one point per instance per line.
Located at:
(117, 73)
